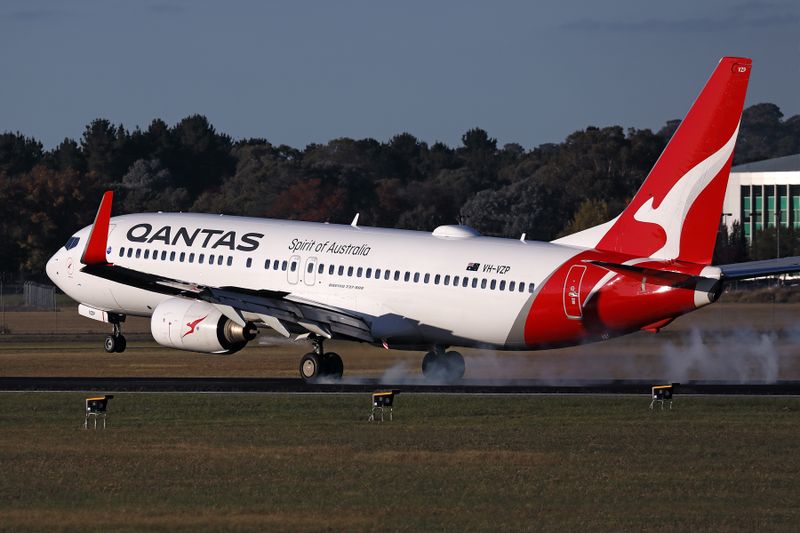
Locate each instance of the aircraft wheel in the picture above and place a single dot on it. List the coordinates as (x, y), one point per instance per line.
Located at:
(110, 344)
(333, 365)
(310, 367)
(456, 365)
(443, 366)
(121, 344)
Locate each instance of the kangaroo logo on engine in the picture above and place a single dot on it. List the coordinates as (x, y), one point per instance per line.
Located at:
(205, 237)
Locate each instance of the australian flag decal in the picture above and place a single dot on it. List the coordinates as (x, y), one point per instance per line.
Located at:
(473, 267)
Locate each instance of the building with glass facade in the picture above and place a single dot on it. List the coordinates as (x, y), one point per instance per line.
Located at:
(764, 194)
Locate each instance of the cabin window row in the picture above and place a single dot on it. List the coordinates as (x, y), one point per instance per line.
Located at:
(397, 275)
(181, 257)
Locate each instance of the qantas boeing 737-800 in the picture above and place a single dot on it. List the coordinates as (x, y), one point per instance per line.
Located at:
(209, 282)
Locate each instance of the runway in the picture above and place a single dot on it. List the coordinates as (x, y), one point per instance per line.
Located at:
(356, 385)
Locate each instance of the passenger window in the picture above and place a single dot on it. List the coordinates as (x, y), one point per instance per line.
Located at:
(210, 259)
(416, 277)
(426, 278)
(130, 252)
(341, 270)
(397, 275)
(521, 286)
(407, 276)
(377, 273)
(163, 255)
(321, 268)
(436, 279)
(359, 272)
(284, 265)
(483, 283)
(511, 286)
(331, 269)
(182, 257)
(201, 258)
(447, 279)
(266, 264)
(146, 253)
(493, 284)
(172, 256)
(386, 274)
(455, 281)
(465, 281)
(474, 283)
(310, 268)
(191, 257)
(155, 255)
(294, 266)
(230, 260)
(350, 271)
(369, 272)
(276, 265)
(121, 251)
(502, 285)
(530, 287)
(249, 262)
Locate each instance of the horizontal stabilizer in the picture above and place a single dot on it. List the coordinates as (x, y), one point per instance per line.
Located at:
(758, 269)
(654, 276)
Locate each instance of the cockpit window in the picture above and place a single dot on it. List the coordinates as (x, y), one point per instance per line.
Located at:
(72, 242)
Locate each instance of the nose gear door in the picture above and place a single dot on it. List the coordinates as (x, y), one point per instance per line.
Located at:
(572, 292)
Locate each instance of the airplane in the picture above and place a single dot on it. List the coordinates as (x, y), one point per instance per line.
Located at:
(209, 282)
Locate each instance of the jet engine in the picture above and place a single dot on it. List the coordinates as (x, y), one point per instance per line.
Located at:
(197, 326)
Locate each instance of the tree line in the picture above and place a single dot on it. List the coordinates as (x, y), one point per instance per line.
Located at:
(548, 191)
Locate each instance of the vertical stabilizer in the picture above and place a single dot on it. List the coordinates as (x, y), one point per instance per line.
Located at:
(676, 212)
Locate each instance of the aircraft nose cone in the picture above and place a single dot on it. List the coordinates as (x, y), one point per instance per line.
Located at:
(52, 269)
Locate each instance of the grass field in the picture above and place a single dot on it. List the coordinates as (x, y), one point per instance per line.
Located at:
(313, 463)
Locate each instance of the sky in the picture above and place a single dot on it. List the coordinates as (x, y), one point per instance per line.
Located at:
(300, 72)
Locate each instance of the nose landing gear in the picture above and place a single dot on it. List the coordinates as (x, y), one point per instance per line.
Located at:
(115, 343)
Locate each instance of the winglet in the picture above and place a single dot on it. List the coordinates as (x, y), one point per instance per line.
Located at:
(95, 252)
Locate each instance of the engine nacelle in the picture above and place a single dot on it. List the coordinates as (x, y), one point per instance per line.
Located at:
(198, 327)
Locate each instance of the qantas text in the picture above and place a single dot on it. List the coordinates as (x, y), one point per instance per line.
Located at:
(204, 237)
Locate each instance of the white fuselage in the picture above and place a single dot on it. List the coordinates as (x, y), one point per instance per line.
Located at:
(408, 285)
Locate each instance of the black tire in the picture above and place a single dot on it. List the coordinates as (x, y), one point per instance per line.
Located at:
(333, 367)
(310, 367)
(447, 367)
(121, 344)
(110, 344)
(455, 366)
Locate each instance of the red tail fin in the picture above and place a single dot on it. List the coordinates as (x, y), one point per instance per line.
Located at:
(676, 212)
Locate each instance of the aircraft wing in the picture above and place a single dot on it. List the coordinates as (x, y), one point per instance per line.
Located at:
(276, 309)
(757, 269)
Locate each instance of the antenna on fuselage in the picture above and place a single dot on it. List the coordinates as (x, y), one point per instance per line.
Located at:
(522, 237)
(354, 223)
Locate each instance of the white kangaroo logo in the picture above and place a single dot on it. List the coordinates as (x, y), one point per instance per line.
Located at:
(671, 212)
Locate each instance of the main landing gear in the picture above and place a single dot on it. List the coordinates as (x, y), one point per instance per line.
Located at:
(115, 343)
(318, 365)
(438, 365)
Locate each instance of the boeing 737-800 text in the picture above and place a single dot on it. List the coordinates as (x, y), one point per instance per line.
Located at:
(209, 282)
